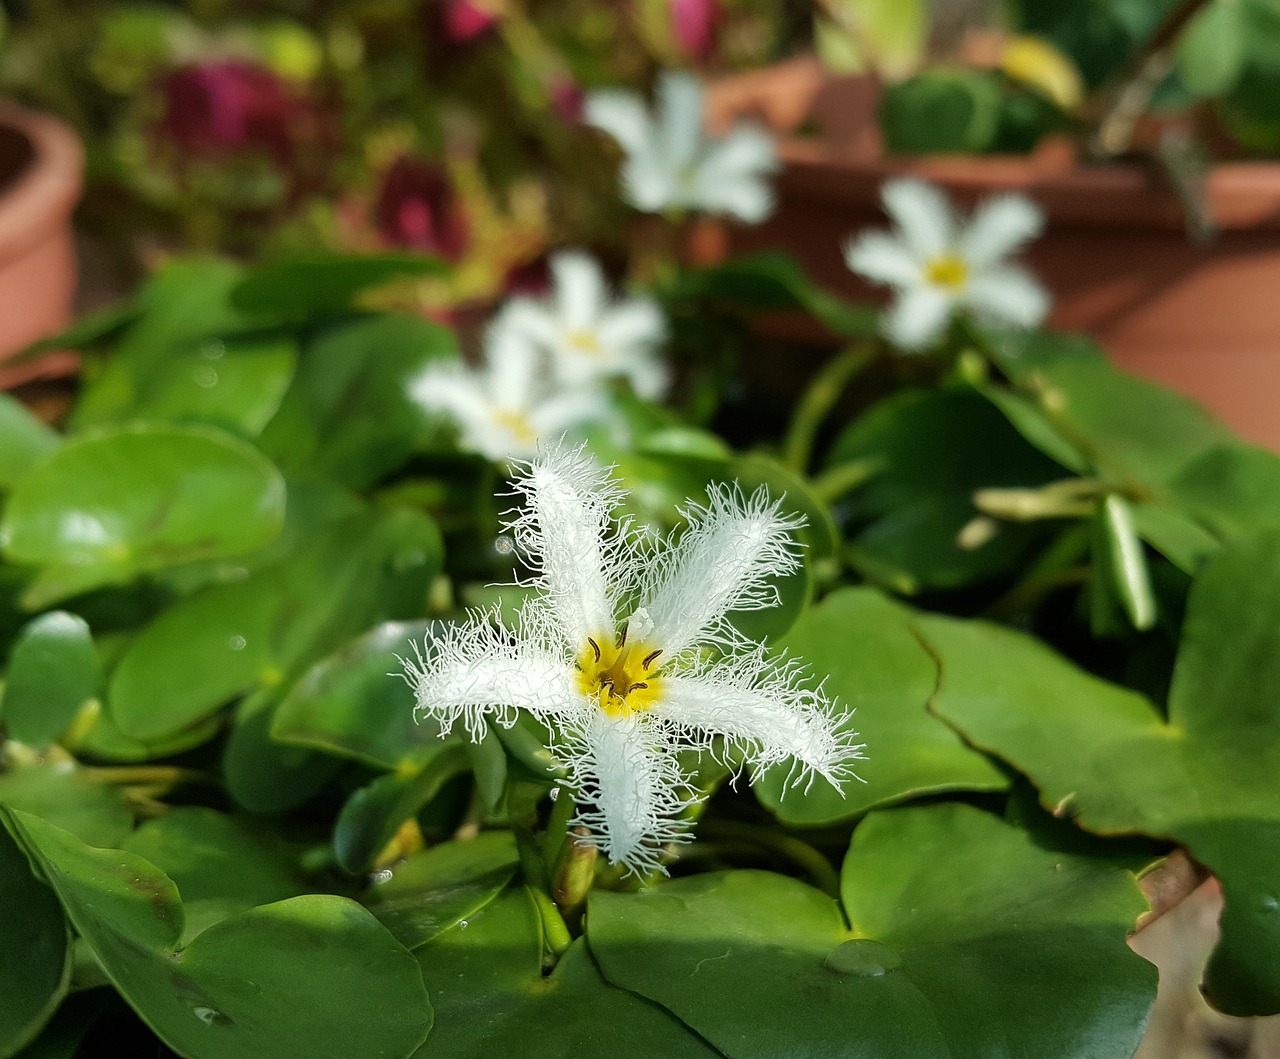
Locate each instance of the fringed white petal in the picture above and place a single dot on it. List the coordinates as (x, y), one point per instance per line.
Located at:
(566, 411)
(766, 711)
(580, 290)
(531, 318)
(463, 396)
(744, 197)
(626, 777)
(922, 214)
(917, 317)
(679, 125)
(732, 175)
(1008, 294)
(1000, 225)
(722, 562)
(565, 531)
(882, 258)
(511, 360)
(623, 115)
(476, 671)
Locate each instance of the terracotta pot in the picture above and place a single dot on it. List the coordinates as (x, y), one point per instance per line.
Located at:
(1202, 319)
(41, 177)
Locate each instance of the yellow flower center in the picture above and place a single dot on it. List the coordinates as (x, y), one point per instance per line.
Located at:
(518, 424)
(621, 677)
(948, 271)
(584, 342)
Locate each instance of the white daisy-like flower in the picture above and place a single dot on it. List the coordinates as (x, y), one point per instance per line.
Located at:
(938, 265)
(627, 655)
(588, 335)
(503, 407)
(672, 164)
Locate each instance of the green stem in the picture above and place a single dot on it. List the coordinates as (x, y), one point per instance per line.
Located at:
(832, 484)
(555, 934)
(562, 809)
(800, 853)
(522, 815)
(817, 401)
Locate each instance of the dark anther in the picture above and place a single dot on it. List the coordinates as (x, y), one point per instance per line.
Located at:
(595, 647)
(649, 658)
(623, 638)
(642, 684)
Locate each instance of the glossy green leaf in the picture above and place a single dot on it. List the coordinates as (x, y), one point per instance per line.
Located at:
(948, 111)
(264, 776)
(109, 506)
(235, 384)
(94, 735)
(236, 991)
(862, 644)
(323, 285)
(219, 864)
(68, 797)
(53, 670)
(967, 940)
(1233, 490)
(770, 281)
(372, 815)
(1211, 51)
(1132, 432)
(24, 441)
(353, 703)
(431, 890)
(491, 998)
(257, 633)
(927, 452)
(1201, 778)
(35, 960)
(350, 414)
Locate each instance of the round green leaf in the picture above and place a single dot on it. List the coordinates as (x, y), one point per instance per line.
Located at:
(24, 441)
(35, 960)
(220, 865)
(323, 285)
(61, 792)
(1203, 777)
(109, 506)
(433, 889)
(967, 941)
(352, 704)
(311, 977)
(53, 671)
(863, 646)
(1211, 51)
(492, 999)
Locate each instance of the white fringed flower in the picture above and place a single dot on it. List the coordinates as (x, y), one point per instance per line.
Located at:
(938, 266)
(672, 164)
(586, 334)
(503, 407)
(629, 658)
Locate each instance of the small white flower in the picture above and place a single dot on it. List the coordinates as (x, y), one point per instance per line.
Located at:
(504, 407)
(627, 656)
(589, 336)
(938, 266)
(672, 164)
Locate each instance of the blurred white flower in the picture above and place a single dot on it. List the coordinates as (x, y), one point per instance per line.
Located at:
(627, 656)
(672, 164)
(587, 335)
(938, 265)
(503, 407)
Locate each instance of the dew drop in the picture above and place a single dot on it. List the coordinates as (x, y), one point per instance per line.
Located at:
(381, 876)
(504, 545)
(863, 958)
(463, 924)
(237, 643)
(210, 1016)
(555, 793)
(206, 377)
(213, 349)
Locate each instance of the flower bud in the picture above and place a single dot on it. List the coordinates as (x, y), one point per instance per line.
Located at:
(221, 108)
(417, 208)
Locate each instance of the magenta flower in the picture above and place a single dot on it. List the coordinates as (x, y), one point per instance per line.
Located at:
(696, 25)
(224, 107)
(417, 208)
(465, 20)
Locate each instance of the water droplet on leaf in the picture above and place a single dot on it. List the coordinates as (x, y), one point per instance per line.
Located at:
(864, 958)
(237, 643)
(206, 377)
(210, 1016)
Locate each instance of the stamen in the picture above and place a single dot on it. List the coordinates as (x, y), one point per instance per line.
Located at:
(595, 647)
(648, 659)
(640, 684)
(622, 640)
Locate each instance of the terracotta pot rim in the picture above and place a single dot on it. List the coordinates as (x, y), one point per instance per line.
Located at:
(46, 191)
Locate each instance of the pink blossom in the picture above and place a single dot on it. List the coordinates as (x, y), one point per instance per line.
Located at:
(417, 208)
(216, 109)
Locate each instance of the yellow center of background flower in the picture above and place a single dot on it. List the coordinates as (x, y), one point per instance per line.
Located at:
(621, 676)
(948, 271)
(518, 425)
(584, 342)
